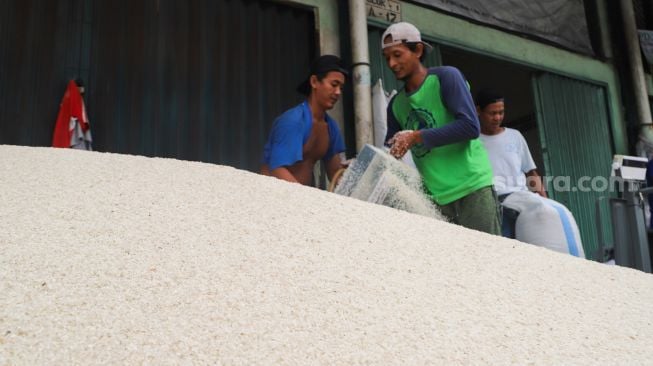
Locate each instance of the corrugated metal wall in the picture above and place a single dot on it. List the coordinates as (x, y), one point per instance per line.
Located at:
(39, 52)
(574, 127)
(197, 80)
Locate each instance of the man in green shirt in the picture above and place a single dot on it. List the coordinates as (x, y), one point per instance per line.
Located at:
(434, 116)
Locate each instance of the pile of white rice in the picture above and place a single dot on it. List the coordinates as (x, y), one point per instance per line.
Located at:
(114, 259)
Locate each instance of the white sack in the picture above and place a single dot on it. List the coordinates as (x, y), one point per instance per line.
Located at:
(545, 222)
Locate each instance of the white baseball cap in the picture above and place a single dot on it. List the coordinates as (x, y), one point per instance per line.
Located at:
(403, 32)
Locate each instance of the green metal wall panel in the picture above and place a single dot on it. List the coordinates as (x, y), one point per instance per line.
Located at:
(574, 128)
(379, 68)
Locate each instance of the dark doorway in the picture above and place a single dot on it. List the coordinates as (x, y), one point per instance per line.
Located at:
(513, 81)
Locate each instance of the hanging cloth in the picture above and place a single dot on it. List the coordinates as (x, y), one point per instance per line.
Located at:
(72, 129)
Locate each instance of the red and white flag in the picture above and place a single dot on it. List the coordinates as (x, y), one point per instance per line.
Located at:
(73, 129)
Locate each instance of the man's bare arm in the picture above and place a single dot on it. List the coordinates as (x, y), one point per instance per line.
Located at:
(333, 165)
(534, 183)
(284, 173)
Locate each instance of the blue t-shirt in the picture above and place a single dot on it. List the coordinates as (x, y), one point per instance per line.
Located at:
(291, 131)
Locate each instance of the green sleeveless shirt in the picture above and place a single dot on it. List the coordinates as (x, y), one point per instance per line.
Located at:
(450, 171)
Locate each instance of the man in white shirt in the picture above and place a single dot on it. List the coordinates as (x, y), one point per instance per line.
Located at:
(512, 163)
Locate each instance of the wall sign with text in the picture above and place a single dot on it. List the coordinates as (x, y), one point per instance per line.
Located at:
(386, 10)
(646, 42)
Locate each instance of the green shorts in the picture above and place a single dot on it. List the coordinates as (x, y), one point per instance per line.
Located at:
(478, 210)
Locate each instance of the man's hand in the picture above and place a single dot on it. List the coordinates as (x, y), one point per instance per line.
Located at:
(534, 183)
(402, 141)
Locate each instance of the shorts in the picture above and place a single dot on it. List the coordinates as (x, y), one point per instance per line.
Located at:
(478, 210)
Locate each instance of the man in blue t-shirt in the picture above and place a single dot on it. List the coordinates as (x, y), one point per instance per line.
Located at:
(305, 133)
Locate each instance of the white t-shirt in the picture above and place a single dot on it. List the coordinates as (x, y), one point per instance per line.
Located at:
(510, 159)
